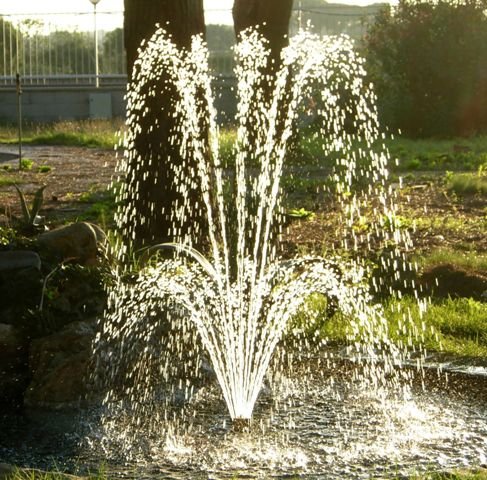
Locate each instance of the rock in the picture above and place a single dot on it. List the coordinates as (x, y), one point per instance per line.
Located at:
(77, 241)
(447, 280)
(19, 260)
(59, 367)
(21, 291)
(13, 360)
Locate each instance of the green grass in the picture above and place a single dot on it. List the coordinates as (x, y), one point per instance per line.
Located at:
(453, 326)
(8, 180)
(84, 133)
(29, 474)
(439, 154)
(468, 183)
(468, 260)
(478, 474)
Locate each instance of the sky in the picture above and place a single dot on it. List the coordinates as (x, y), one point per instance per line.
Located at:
(217, 11)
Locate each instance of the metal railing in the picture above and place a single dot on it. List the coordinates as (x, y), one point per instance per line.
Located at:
(44, 47)
(59, 48)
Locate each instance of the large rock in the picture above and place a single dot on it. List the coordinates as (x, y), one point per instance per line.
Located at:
(13, 359)
(19, 260)
(59, 367)
(78, 242)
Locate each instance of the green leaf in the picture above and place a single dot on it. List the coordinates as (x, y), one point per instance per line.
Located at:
(25, 209)
(38, 201)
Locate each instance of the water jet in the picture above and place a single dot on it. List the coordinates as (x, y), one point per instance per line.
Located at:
(236, 303)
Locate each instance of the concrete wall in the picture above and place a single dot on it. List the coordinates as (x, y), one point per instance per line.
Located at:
(50, 104)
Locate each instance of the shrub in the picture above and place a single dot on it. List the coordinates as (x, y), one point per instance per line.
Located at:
(429, 63)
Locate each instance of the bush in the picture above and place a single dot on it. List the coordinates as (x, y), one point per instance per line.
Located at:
(429, 64)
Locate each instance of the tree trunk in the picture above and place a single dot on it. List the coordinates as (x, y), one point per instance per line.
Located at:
(181, 18)
(270, 17)
(150, 192)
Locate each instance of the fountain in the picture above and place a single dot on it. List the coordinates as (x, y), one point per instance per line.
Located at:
(187, 316)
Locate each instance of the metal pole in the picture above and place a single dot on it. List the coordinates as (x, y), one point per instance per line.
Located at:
(19, 116)
(97, 66)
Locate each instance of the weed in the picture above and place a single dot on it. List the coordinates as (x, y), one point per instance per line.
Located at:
(30, 215)
(300, 213)
(26, 164)
(44, 169)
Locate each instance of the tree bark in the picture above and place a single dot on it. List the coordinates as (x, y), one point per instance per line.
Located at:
(181, 18)
(270, 17)
(150, 190)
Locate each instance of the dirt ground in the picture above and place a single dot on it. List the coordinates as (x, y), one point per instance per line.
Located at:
(73, 172)
(442, 218)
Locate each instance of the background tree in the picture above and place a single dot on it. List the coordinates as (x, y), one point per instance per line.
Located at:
(150, 187)
(429, 63)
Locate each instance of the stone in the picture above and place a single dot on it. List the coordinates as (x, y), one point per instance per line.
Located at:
(59, 364)
(76, 242)
(13, 360)
(19, 259)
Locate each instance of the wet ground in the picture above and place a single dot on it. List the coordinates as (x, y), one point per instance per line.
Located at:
(323, 429)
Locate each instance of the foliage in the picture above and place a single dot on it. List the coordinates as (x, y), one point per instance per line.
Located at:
(300, 213)
(26, 164)
(429, 64)
(468, 183)
(30, 215)
(8, 180)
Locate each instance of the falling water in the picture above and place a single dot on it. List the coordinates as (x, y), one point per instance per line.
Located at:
(229, 311)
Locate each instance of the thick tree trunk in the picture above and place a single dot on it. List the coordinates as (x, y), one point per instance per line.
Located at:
(151, 193)
(271, 17)
(181, 18)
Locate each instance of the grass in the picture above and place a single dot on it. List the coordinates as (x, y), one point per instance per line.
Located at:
(83, 133)
(477, 474)
(468, 183)
(29, 474)
(453, 326)
(468, 260)
(439, 154)
(8, 180)
(457, 154)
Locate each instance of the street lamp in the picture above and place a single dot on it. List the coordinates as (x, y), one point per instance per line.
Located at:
(97, 68)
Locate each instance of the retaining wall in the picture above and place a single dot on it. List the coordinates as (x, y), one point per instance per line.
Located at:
(54, 103)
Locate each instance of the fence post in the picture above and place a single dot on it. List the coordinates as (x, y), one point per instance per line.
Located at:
(19, 116)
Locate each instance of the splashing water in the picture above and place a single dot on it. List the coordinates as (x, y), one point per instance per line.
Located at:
(241, 297)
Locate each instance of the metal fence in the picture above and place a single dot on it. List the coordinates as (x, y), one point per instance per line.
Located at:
(53, 49)
(60, 47)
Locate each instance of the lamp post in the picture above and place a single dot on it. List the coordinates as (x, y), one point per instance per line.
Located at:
(97, 67)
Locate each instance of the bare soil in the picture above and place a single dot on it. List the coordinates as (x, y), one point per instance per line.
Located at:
(73, 172)
(442, 218)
